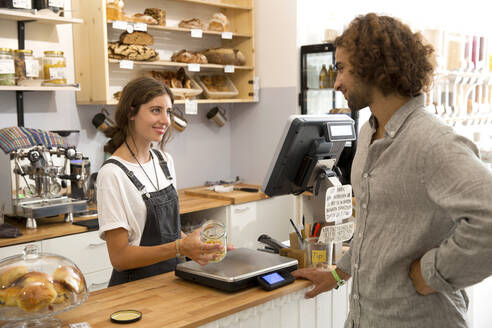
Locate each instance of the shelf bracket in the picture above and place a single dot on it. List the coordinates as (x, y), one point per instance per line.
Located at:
(19, 95)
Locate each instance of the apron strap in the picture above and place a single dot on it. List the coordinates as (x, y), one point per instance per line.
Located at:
(163, 164)
(129, 173)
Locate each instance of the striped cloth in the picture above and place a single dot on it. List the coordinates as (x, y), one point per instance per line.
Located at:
(20, 137)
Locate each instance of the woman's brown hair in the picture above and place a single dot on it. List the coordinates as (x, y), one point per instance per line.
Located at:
(137, 92)
(384, 52)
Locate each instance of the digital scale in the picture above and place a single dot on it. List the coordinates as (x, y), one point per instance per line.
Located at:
(241, 268)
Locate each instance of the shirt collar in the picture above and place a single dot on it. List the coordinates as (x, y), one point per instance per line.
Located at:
(399, 117)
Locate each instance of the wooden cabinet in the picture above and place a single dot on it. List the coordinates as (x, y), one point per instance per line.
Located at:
(100, 77)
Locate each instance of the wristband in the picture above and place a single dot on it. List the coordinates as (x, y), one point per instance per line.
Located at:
(177, 248)
(340, 282)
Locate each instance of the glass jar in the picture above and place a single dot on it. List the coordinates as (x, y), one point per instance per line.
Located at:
(54, 68)
(26, 67)
(54, 5)
(7, 67)
(35, 286)
(16, 4)
(214, 232)
(114, 10)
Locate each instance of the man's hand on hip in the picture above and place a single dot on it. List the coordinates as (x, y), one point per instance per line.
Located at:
(323, 280)
(418, 280)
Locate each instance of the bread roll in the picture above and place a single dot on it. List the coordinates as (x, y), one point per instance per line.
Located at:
(191, 23)
(141, 18)
(32, 278)
(11, 274)
(137, 37)
(8, 296)
(36, 296)
(62, 293)
(70, 277)
(131, 51)
(225, 56)
(184, 56)
(158, 14)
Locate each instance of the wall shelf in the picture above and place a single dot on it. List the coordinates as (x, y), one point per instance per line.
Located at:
(40, 88)
(20, 15)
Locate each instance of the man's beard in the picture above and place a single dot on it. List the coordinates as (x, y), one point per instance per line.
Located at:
(359, 98)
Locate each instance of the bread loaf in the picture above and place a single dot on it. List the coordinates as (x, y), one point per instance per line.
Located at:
(141, 18)
(191, 23)
(118, 50)
(219, 23)
(185, 56)
(137, 37)
(225, 56)
(158, 14)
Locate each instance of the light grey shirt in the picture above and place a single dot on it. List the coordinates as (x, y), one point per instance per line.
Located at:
(421, 193)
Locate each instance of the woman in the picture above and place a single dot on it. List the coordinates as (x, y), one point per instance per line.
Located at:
(137, 199)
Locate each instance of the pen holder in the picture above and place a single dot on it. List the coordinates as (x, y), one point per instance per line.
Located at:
(294, 241)
(298, 254)
(319, 254)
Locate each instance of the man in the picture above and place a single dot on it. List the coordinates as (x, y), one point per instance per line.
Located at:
(423, 197)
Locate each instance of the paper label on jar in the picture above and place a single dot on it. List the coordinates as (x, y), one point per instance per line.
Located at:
(7, 66)
(56, 3)
(57, 73)
(32, 68)
(337, 233)
(318, 256)
(22, 4)
(338, 204)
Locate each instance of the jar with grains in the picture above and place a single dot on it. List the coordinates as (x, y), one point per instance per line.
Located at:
(214, 232)
(16, 4)
(54, 68)
(114, 10)
(26, 67)
(7, 67)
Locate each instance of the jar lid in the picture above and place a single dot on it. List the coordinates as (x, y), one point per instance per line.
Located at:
(26, 51)
(53, 52)
(5, 49)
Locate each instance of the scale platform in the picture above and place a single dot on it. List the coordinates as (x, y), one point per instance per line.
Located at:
(238, 270)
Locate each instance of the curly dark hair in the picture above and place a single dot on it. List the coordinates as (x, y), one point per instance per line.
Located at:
(384, 52)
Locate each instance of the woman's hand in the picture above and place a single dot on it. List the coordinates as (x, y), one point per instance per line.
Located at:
(191, 246)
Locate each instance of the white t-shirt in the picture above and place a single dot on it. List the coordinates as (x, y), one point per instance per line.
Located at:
(120, 204)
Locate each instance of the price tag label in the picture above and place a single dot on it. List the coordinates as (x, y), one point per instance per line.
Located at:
(337, 233)
(229, 69)
(338, 203)
(194, 67)
(140, 27)
(129, 28)
(226, 35)
(21, 4)
(196, 33)
(191, 107)
(120, 25)
(126, 64)
(318, 256)
(79, 325)
(56, 3)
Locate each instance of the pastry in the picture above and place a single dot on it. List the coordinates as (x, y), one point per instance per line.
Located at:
(8, 296)
(11, 274)
(176, 80)
(158, 14)
(140, 38)
(62, 293)
(136, 52)
(176, 84)
(70, 277)
(225, 56)
(219, 23)
(36, 296)
(33, 278)
(185, 56)
(215, 83)
(191, 23)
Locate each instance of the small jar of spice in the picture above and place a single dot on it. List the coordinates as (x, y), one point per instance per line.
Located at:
(7, 67)
(54, 68)
(26, 67)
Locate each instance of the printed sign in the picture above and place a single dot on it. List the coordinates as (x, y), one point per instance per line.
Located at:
(194, 67)
(318, 256)
(120, 25)
(196, 33)
(229, 69)
(226, 35)
(126, 64)
(191, 107)
(337, 233)
(140, 27)
(338, 203)
(56, 3)
(22, 4)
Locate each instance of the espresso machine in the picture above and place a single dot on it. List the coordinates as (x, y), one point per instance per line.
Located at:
(40, 182)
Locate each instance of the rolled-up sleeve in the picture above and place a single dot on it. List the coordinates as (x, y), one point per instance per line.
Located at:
(460, 186)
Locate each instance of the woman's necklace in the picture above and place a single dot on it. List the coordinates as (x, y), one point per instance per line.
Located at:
(153, 163)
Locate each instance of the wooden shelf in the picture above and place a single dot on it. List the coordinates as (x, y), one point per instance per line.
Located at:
(114, 102)
(165, 63)
(217, 4)
(20, 15)
(187, 30)
(39, 88)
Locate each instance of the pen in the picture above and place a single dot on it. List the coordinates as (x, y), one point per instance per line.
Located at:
(297, 231)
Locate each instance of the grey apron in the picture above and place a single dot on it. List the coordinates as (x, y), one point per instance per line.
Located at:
(162, 224)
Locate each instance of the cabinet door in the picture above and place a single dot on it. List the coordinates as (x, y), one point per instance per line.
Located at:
(242, 228)
(98, 280)
(16, 249)
(273, 215)
(86, 250)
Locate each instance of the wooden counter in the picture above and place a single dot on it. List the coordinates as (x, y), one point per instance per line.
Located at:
(190, 200)
(168, 301)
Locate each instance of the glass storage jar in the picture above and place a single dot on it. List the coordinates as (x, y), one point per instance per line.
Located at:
(26, 68)
(54, 68)
(54, 5)
(7, 67)
(35, 286)
(16, 4)
(214, 232)
(114, 10)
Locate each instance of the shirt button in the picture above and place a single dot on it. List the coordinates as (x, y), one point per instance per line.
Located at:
(364, 206)
(365, 175)
(356, 265)
(356, 297)
(391, 134)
